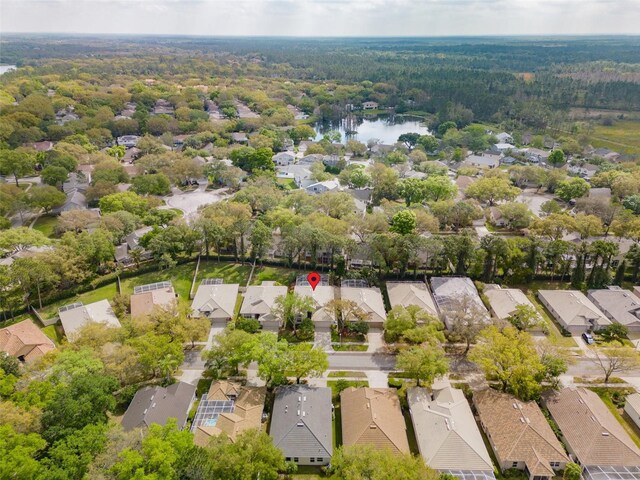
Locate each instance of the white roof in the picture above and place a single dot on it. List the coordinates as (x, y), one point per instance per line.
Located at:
(369, 299)
(619, 305)
(321, 296)
(446, 432)
(328, 184)
(505, 300)
(260, 299)
(218, 301)
(75, 318)
(411, 293)
(572, 308)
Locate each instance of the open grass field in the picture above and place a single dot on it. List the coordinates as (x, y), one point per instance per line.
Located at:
(46, 225)
(284, 276)
(623, 136)
(230, 272)
(102, 293)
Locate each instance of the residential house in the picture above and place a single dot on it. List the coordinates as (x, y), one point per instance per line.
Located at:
(25, 341)
(75, 201)
(482, 161)
(573, 310)
(331, 160)
(283, 158)
(66, 116)
(508, 160)
(503, 148)
(504, 137)
(158, 404)
(236, 409)
(299, 173)
(370, 105)
(453, 294)
(463, 182)
(132, 242)
(372, 416)
(259, 301)
(619, 305)
(301, 424)
(585, 170)
(215, 300)
(404, 294)
(27, 252)
(594, 438)
(311, 159)
(632, 408)
(76, 182)
(128, 141)
(239, 137)
(368, 299)
(520, 435)
(146, 298)
(495, 217)
(163, 107)
(536, 155)
(43, 146)
(446, 432)
(323, 187)
(321, 296)
(503, 302)
(76, 316)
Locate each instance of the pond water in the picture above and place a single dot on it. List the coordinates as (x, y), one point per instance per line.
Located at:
(6, 68)
(386, 128)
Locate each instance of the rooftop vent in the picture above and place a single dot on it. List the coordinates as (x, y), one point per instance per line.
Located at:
(605, 434)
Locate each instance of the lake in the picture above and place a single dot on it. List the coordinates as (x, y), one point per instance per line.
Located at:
(386, 128)
(6, 68)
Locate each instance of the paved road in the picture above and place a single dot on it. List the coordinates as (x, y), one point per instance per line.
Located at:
(360, 361)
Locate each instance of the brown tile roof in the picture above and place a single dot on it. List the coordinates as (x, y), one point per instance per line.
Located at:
(222, 390)
(590, 429)
(142, 304)
(247, 415)
(372, 416)
(519, 432)
(26, 340)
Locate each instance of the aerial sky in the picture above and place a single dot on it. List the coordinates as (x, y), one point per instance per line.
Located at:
(323, 17)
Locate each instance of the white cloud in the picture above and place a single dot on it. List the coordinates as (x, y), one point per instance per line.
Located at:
(322, 17)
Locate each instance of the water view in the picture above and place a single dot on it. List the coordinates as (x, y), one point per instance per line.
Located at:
(386, 128)
(6, 68)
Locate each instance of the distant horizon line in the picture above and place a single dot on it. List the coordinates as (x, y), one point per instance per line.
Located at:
(191, 35)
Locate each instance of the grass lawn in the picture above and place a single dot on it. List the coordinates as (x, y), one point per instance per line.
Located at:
(344, 374)
(605, 396)
(46, 224)
(284, 276)
(350, 348)
(287, 183)
(230, 272)
(334, 384)
(307, 472)
(411, 434)
(53, 333)
(555, 336)
(106, 292)
(621, 137)
(180, 275)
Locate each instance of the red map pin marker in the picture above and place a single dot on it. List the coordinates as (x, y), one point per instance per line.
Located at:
(314, 279)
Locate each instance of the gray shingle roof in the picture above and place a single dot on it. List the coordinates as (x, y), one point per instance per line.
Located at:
(159, 404)
(301, 423)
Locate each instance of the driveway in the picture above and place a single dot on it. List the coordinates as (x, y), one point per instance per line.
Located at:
(322, 339)
(586, 350)
(378, 379)
(482, 231)
(375, 339)
(533, 199)
(190, 202)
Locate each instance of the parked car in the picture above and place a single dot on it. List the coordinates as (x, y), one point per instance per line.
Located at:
(588, 338)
